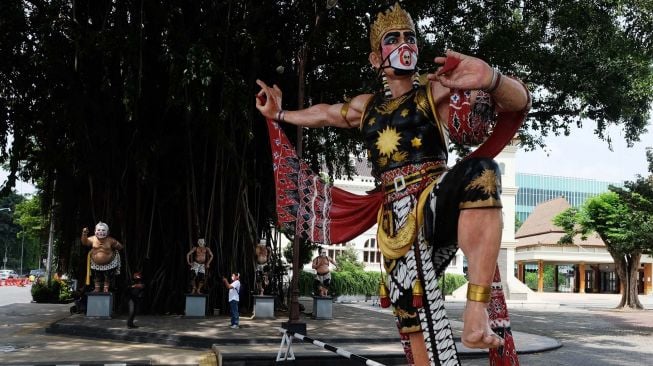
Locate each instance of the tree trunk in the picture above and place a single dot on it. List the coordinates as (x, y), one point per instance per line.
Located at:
(627, 269)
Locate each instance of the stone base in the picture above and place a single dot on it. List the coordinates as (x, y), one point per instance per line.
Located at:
(99, 305)
(263, 307)
(195, 306)
(297, 327)
(322, 307)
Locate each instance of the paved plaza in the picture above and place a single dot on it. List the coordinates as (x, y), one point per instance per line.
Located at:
(550, 329)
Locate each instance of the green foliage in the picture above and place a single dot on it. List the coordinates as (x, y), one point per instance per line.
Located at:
(29, 217)
(41, 292)
(348, 261)
(344, 283)
(549, 278)
(306, 249)
(58, 291)
(451, 281)
(358, 282)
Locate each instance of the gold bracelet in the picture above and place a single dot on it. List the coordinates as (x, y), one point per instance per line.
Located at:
(478, 293)
(343, 113)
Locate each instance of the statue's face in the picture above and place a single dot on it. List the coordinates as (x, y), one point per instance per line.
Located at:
(101, 230)
(399, 51)
(201, 243)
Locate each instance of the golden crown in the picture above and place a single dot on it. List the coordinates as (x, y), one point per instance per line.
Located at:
(393, 18)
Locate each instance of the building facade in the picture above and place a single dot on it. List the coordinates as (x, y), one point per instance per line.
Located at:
(535, 189)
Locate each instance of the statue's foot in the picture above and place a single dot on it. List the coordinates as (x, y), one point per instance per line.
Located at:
(476, 327)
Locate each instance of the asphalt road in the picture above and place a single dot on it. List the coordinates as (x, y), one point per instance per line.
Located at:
(15, 294)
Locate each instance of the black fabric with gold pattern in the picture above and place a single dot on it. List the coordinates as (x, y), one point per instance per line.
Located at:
(402, 131)
(472, 183)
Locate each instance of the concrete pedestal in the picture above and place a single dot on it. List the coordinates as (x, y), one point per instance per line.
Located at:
(322, 307)
(263, 307)
(195, 306)
(99, 305)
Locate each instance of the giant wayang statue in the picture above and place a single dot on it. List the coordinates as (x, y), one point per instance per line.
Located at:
(424, 209)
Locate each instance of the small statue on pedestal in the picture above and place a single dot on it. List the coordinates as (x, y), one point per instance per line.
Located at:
(262, 257)
(199, 265)
(322, 273)
(103, 261)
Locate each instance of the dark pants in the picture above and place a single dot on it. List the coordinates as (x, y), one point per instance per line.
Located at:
(235, 316)
(132, 312)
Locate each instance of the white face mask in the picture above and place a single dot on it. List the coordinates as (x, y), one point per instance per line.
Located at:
(323, 254)
(101, 231)
(403, 59)
(201, 242)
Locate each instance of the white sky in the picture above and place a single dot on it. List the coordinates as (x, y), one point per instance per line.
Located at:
(583, 155)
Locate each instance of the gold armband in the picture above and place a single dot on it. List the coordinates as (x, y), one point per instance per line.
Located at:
(478, 293)
(343, 113)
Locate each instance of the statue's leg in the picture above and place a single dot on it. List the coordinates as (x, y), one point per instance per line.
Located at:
(469, 213)
(97, 281)
(200, 282)
(193, 283)
(412, 287)
(479, 236)
(317, 287)
(108, 275)
(326, 286)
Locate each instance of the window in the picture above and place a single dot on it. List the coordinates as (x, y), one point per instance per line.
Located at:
(370, 253)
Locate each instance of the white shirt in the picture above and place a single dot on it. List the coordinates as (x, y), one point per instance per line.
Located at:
(234, 291)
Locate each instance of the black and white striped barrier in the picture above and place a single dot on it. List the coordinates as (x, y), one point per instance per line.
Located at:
(289, 355)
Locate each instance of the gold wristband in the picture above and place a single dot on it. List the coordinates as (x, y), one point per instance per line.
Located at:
(478, 293)
(343, 113)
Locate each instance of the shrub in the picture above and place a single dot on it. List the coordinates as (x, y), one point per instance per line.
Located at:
(450, 282)
(58, 291)
(366, 283)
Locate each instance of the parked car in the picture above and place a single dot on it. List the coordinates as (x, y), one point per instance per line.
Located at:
(37, 272)
(7, 273)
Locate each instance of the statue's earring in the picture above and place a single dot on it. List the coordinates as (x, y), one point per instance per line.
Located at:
(387, 93)
(416, 82)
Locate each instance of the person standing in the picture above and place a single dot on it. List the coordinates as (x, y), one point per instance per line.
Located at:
(234, 298)
(136, 294)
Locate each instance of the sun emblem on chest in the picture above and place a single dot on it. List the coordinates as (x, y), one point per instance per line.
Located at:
(388, 141)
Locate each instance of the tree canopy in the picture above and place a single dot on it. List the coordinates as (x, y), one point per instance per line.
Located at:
(141, 114)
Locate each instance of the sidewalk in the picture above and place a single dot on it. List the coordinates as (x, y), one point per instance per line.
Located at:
(173, 340)
(359, 328)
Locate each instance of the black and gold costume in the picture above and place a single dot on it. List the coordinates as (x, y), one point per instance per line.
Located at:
(418, 221)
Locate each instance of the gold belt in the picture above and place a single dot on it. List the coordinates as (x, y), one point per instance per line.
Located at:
(400, 182)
